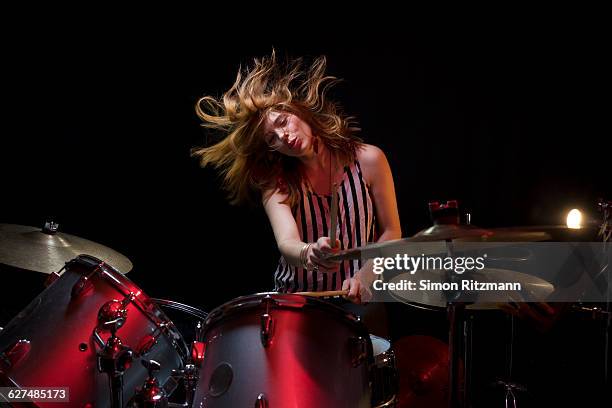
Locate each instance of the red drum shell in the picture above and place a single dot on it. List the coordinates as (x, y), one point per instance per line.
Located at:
(308, 362)
(63, 349)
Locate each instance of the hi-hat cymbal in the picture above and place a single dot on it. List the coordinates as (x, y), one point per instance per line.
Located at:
(534, 287)
(32, 249)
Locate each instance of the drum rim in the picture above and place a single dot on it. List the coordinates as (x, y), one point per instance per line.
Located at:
(231, 307)
(143, 301)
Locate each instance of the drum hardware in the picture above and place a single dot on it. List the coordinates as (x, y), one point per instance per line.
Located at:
(385, 380)
(267, 323)
(605, 232)
(181, 307)
(114, 359)
(53, 276)
(508, 385)
(189, 375)
(50, 227)
(510, 396)
(145, 345)
(82, 286)
(197, 352)
(198, 348)
(261, 401)
(14, 354)
(595, 312)
(83, 357)
(359, 350)
(444, 217)
(113, 314)
(150, 395)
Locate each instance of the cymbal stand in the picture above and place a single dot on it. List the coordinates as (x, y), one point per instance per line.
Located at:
(448, 213)
(606, 233)
(509, 386)
(113, 360)
(456, 322)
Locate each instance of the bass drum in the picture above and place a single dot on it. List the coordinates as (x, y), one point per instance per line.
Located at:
(284, 350)
(56, 339)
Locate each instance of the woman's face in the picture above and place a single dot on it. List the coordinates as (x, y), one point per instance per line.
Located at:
(288, 134)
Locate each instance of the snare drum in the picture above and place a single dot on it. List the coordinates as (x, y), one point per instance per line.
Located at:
(284, 350)
(55, 340)
(384, 374)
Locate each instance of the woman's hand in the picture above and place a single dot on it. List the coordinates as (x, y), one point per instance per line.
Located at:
(317, 256)
(359, 290)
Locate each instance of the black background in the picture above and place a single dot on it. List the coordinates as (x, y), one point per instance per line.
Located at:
(98, 121)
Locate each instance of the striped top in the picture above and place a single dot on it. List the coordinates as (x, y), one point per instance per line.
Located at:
(356, 227)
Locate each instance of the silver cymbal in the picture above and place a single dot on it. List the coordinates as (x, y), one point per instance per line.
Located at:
(32, 249)
(537, 288)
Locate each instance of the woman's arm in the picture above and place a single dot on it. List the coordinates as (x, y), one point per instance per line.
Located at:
(287, 235)
(377, 174)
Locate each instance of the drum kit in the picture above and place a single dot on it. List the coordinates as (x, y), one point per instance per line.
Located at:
(95, 333)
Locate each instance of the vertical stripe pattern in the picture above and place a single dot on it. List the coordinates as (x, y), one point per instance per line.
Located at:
(356, 227)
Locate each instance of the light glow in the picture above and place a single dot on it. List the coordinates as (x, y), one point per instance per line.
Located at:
(574, 219)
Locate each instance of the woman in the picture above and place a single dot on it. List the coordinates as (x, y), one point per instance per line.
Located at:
(286, 144)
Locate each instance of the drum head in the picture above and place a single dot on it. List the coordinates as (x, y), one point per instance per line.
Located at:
(379, 345)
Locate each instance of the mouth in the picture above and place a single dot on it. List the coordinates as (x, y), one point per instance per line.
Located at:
(295, 143)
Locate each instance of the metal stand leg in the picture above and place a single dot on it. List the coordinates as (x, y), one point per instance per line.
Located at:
(455, 318)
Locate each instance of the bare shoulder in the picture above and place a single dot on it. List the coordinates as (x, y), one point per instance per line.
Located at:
(373, 161)
(368, 154)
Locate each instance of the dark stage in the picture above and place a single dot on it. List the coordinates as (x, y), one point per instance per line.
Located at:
(98, 124)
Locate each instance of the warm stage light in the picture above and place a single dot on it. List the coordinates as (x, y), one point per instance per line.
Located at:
(574, 219)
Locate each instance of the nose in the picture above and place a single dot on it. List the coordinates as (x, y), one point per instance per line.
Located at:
(282, 133)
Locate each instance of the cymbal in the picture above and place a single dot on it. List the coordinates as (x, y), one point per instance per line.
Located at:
(442, 232)
(432, 240)
(390, 248)
(536, 288)
(32, 249)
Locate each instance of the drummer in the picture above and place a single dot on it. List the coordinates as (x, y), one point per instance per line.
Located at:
(286, 145)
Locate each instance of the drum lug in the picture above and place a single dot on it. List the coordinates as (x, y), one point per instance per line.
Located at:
(145, 345)
(261, 401)
(112, 315)
(82, 286)
(15, 353)
(358, 349)
(267, 328)
(267, 322)
(198, 350)
(53, 276)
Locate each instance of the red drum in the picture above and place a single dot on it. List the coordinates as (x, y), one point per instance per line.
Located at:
(55, 341)
(284, 350)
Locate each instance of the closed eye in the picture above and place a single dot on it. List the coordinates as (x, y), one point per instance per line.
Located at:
(281, 120)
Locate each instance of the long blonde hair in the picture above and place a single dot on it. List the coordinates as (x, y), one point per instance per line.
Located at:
(247, 164)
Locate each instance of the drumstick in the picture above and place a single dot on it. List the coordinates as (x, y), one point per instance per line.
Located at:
(333, 213)
(329, 293)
